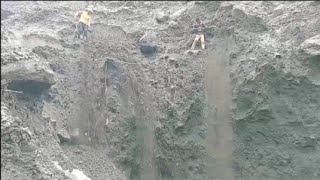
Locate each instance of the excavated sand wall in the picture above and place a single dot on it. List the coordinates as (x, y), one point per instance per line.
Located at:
(245, 108)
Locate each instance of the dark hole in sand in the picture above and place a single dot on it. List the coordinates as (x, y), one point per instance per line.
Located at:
(112, 71)
(29, 87)
(315, 62)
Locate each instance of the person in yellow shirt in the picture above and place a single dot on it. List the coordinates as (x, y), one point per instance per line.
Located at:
(198, 29)
(84, 22)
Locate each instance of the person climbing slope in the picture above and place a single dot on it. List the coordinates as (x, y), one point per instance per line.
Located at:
(198, 29)
(84, 22)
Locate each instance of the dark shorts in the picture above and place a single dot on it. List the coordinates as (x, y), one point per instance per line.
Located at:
(83, 29)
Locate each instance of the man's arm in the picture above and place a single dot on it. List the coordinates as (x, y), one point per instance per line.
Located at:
(89, 22)
(78, 14)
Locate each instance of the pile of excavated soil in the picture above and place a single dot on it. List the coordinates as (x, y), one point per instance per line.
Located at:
(94, 162)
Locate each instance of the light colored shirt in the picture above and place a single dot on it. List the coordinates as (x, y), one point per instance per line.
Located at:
(85, 18)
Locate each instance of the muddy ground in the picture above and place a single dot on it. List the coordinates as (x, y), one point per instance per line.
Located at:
(245, 108)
